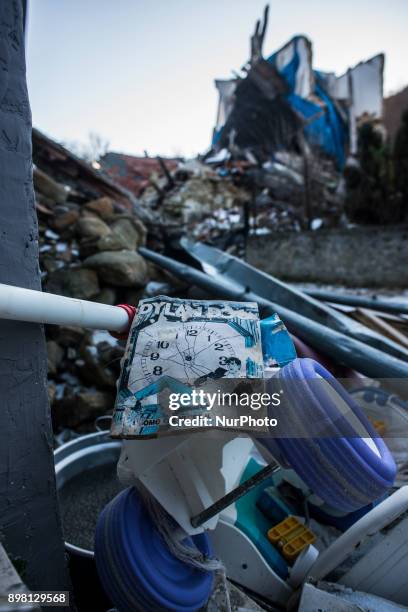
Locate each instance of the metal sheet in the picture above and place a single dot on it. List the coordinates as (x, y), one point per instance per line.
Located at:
(216, 262)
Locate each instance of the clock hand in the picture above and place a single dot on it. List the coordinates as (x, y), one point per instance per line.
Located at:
(181, 355)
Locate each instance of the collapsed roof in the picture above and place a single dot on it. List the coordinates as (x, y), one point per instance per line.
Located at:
(65, 167)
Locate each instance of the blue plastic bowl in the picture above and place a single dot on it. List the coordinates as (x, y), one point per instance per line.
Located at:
(136, 568)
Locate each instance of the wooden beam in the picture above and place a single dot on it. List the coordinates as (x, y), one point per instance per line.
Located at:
(373, 321)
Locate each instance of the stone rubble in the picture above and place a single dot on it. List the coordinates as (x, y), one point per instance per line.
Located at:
(87, 250)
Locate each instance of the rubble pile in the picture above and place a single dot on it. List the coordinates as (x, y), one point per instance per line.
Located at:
(223, 202)
(294, 196)
(198, 201)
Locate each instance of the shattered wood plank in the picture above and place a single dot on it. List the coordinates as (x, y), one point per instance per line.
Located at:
(258, 36)
(400, 323)
(374, 322)
(166, 172)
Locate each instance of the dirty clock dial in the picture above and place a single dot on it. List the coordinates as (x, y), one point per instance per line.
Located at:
(196, 348)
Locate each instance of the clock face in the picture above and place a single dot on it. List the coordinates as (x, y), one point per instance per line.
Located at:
(178, 345)
(186, 351)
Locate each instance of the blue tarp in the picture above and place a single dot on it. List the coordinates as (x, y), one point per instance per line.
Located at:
(328, 129)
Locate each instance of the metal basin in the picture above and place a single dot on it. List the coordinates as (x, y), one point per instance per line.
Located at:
(79, 456)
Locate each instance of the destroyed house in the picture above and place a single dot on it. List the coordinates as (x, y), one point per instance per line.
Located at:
(325, 107)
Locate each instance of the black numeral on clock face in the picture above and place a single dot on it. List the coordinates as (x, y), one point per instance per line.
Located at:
(162, 344)
(219, 346)
(222, 360)
(154, 356)
(192, 332)
(157, 370)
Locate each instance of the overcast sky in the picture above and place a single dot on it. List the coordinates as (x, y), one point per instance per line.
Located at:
(141, 72)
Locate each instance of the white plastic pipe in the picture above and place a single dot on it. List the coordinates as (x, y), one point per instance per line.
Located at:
(37, 307)
(379, 517)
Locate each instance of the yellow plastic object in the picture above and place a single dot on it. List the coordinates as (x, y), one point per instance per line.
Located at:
(291, 537)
